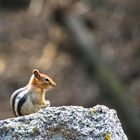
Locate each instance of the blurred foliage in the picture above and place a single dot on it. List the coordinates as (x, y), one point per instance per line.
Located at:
(34, 35)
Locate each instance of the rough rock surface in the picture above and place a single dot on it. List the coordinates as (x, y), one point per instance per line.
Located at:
(65, 123)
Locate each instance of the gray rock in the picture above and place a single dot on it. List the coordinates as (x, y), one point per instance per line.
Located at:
(65, 123)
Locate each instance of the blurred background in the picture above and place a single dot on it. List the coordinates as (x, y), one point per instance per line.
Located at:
(91, 48)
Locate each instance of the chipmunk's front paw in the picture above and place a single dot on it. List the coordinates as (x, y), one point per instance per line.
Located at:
(47, 103)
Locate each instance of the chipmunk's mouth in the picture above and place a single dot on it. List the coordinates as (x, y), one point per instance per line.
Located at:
(49, 88)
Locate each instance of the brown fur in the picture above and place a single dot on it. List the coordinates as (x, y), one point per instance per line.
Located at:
(34, 94)
(40, 86)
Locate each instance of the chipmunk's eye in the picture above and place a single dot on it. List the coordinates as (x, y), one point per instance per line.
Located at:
(46, 79)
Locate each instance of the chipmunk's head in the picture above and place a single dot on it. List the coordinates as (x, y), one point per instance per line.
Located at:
(42, 81)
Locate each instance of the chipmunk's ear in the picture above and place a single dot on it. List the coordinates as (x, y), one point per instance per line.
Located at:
(36, 73)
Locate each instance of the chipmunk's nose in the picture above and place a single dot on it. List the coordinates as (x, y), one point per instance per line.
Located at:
(53, 84)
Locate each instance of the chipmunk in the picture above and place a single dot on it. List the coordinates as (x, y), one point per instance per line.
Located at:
(31, 98)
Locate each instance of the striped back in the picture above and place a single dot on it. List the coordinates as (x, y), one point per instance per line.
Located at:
(18, 99)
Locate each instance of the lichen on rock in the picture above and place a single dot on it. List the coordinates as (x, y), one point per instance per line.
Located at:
(65, 123)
